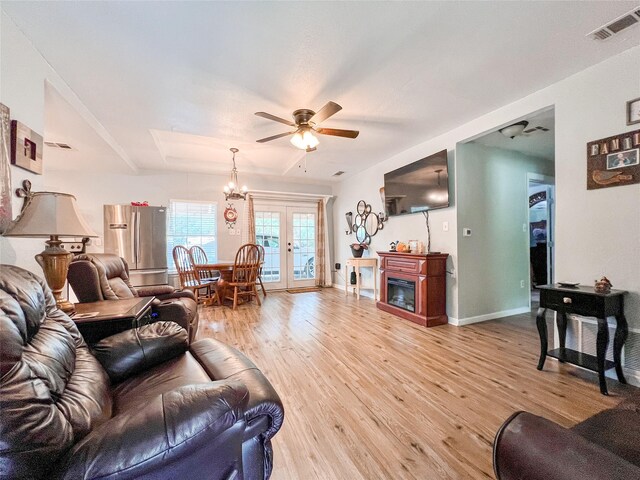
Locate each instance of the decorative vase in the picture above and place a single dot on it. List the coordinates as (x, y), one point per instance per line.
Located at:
(357, 253)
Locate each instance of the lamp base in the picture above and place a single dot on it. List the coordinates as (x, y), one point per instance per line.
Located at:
(55, 261)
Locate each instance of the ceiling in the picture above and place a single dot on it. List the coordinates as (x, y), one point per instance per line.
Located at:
(539, 144)
(176, 84)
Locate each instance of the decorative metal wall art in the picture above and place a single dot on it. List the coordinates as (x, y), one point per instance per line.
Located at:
(365, 223)
(230, 216)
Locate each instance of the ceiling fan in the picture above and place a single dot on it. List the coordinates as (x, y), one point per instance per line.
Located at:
(306, 124)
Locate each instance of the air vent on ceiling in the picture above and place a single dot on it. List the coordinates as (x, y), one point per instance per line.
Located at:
(616, 25)
(531, 130)
(58, 145)
(338, 173)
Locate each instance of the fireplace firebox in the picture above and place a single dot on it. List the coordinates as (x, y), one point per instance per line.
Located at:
(401, 293)
(413, 286)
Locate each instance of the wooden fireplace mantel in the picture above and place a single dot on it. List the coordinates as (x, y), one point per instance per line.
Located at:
(428, 274)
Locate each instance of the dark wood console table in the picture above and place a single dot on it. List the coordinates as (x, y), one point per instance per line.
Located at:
(586, 302)
(97, 320)
(414, 286)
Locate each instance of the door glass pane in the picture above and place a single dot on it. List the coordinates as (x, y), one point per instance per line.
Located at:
(268, 235)
(304, 245)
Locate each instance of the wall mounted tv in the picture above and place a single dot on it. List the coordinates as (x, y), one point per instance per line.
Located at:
(418, 187)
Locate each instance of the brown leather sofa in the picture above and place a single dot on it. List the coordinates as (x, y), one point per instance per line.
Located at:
(142, 404)
(605, 446)
(104, 276)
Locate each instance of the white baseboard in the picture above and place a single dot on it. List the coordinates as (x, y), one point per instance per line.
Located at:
(364, 291)
(459, 322)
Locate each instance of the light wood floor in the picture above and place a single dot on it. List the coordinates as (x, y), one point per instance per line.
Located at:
(368, 395)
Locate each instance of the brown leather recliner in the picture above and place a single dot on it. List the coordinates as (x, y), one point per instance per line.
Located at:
(142, 405)
(604, 446)
(104, 276)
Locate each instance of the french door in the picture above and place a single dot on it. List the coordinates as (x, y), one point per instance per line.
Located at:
(288, 235)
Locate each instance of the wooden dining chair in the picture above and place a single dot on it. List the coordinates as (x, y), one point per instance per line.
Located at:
(244, 275)
(189, 278)
(199, 257)
(261, 251)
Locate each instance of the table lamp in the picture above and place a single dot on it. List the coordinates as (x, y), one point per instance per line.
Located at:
(53, 215)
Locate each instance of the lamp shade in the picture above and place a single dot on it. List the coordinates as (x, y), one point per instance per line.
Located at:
(47, 214)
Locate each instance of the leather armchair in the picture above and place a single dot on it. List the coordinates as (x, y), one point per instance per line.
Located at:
(603, 446)
(104, 276)
(144, 404)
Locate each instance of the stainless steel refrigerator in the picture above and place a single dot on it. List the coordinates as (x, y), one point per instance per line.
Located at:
(139, 235)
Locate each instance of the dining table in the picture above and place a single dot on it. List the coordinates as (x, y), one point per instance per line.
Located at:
(224, 267)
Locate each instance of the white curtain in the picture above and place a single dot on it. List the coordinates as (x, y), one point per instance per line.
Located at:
(327, 252)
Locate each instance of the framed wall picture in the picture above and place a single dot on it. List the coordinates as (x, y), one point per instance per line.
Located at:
(26, 148)
(614, 161)
(633, 111)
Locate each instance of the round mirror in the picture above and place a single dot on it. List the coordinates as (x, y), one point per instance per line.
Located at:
(361, 207)
(359, 221)
(367, 208)
(361, 234)
(371, 224)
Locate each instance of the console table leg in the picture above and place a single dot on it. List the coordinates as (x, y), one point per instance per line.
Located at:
(561, 321)
(602, 342)
(541, 323)
(622, 330)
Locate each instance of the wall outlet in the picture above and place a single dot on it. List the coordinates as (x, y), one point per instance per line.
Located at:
(97, 241)
(445, 226)
(524, 227)
(521, 283)
(237, 231)
(232, 231)
(466, 232)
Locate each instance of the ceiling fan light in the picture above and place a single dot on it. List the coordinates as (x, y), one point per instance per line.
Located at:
(304, 140)
(514, 130)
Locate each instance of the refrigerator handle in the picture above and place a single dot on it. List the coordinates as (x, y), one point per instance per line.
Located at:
(138, 239)
(134, 232)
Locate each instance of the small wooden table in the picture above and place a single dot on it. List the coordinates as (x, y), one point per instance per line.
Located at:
(359, 263)
(97, 320)
(586, 302)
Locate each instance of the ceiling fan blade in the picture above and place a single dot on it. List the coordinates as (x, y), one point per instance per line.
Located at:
(268, 139)
(268, 116)
(325, 112)
(336, 132)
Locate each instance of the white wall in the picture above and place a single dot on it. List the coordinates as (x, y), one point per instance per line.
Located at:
(493, 202)
(22, 76)
(93, 191)
(588, 106)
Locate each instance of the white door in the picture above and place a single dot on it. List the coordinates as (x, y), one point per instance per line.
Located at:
(288, 235)
(301, 247)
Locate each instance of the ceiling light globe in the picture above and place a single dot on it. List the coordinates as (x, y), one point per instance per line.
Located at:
(226, 189)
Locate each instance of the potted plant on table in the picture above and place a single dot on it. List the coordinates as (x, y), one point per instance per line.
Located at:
(357, 249)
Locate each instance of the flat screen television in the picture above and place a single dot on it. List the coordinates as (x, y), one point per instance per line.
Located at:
(418, 187)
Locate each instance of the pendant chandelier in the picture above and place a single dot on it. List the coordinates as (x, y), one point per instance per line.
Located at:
(232, 190)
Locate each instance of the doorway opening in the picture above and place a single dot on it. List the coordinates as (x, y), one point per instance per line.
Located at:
(494, 170)
(541, 203)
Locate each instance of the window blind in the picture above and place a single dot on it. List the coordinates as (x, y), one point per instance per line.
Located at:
(192, 223)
